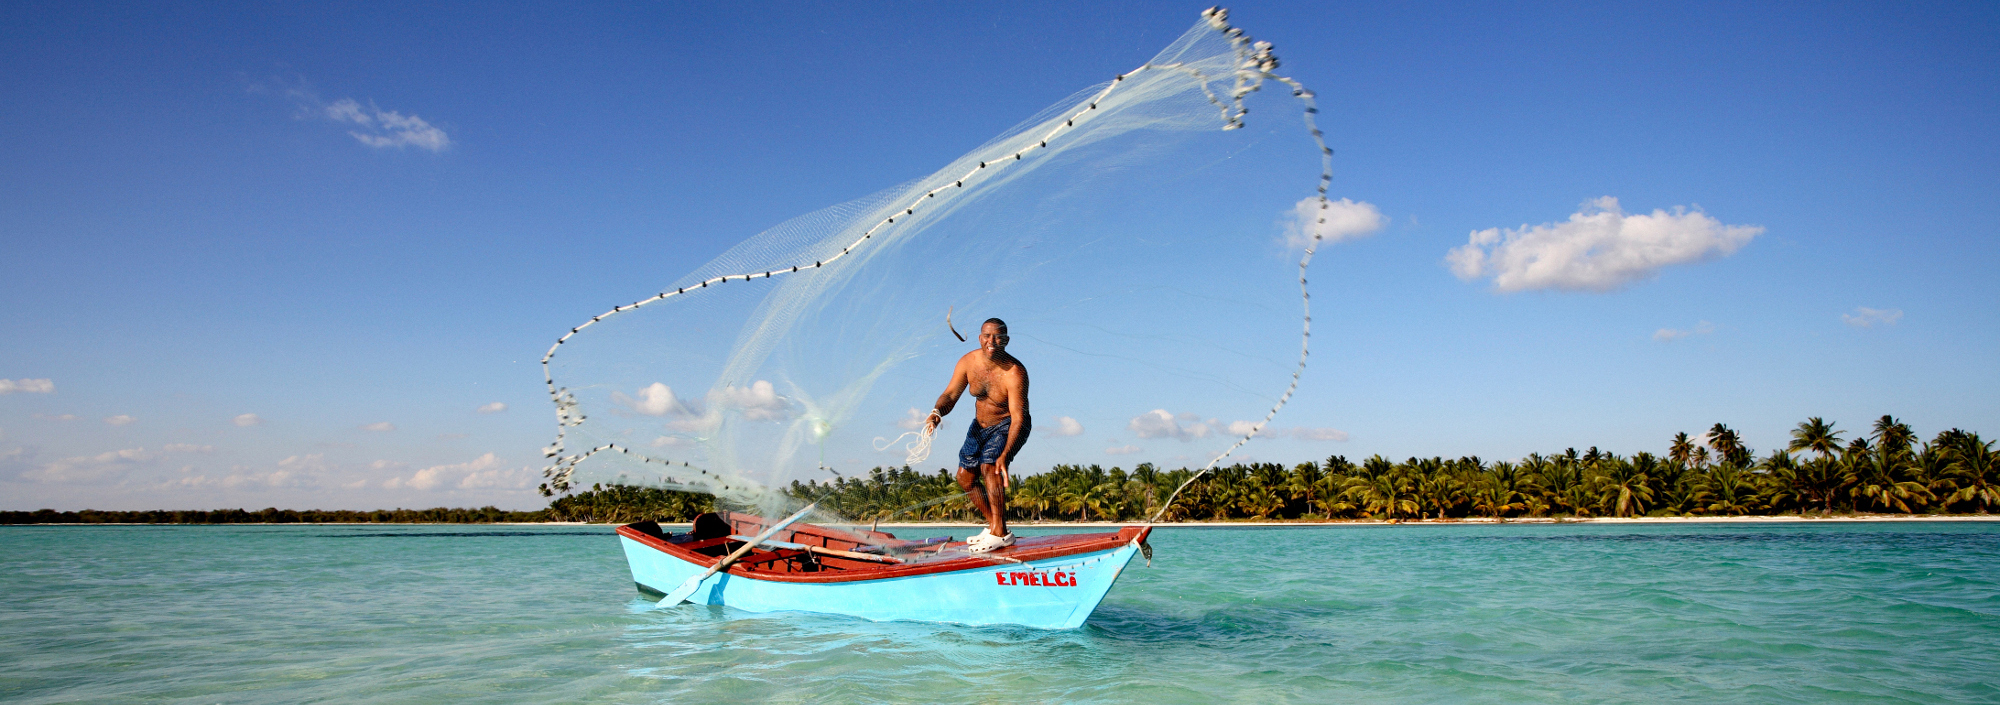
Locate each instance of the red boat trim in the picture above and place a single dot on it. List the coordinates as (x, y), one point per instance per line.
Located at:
(1069, 545)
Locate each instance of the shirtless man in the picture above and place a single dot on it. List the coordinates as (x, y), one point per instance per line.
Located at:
(999, 426)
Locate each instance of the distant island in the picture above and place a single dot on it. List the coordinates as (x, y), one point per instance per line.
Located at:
(1885, 471)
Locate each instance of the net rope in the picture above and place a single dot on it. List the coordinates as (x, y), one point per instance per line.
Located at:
(1254, 65)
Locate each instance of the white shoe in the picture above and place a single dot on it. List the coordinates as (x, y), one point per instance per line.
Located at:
(986, 541)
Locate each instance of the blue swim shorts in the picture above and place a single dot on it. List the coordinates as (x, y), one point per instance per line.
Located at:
(983, 446)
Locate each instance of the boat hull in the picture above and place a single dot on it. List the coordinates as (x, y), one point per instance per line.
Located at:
(1048, 593)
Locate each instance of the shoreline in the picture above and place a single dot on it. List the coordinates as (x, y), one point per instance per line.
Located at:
(1341, 523)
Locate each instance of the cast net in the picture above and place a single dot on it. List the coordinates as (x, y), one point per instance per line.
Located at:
(1145, 239)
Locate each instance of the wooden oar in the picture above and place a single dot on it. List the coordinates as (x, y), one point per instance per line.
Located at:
(680, 594)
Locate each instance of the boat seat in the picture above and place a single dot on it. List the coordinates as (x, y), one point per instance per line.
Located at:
(652, 528)
(708, 525)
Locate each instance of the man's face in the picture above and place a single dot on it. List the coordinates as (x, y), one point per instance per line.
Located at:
(992, 340)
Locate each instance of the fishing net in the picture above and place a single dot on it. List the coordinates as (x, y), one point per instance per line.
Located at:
(1145, 239)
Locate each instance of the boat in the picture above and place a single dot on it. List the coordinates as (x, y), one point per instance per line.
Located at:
(1045, 582)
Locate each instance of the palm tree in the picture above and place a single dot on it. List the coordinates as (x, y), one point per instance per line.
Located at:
(1973, 466)
(1389, 493)
(1304, 483)
(1496, 493)
(1779, 483)
(1728, 446)
(1623, 486)
(1724, 490)
(1035, 494)
(1817, 436)
(1682, 451)
(1871, 472)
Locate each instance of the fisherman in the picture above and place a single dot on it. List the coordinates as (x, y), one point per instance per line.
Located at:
(1000, 426)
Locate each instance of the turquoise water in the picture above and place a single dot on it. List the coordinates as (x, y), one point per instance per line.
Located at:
(1516, 613)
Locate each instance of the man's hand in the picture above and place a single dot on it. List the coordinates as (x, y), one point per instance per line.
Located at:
(1000, 465)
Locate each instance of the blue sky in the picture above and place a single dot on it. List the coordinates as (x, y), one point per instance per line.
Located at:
(361, 225)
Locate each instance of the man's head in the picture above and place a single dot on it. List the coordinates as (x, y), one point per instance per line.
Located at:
(993, 336)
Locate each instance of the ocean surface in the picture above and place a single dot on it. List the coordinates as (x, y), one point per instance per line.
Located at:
(1816, 613)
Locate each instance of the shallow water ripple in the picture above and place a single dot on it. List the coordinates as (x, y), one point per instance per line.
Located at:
(1531, 613)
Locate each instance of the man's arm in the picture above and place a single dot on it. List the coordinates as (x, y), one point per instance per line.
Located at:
(1017, 405)
(949, 398)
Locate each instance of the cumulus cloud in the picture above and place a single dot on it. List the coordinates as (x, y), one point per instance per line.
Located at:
(481, 473)
(655, 399)
(380, 128)
(493, 408)
(1158, 423)
(757, 402)
(1344, 219)
(1123, 450)
(1865, 317)
(109, 465)
(1600, 248)
(913, 420)
(1303, 433)
(27, 386)
(379, 427)
(247, 420)
(119, 420)
(1066, 426)
(57, 417)
(1668, 335)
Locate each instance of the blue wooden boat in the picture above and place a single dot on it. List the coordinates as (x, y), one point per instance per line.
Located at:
(1048, 582)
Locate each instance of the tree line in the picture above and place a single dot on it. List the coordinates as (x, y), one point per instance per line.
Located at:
(1885, 470)
(273, 515)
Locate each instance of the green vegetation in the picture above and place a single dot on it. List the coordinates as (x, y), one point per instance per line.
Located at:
(273, 515)
(624, 504)
(1883, 471)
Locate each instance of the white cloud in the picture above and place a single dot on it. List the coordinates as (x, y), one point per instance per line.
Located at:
(1066, 426)
(913, 420)
(493, 408)
(1599, 248)
(757, 402)
(27, 386)
(670, 442)
(386, 128)
(479, 473)
(1668, 335)
(92, 468)
(57, 417)
(186, 448)
(1243, 428)
(1123, 450)
(386, 465)
(247, 420)
(655, 399)
(1304, 433)
(1160, 424)
(499, 479)
(1339, 220)
(379, 427)
(1865, 317)
(119, 420)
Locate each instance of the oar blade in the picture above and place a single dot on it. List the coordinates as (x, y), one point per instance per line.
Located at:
(680, 594)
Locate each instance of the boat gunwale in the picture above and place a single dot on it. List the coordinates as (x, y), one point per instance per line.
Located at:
(1110, 541)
